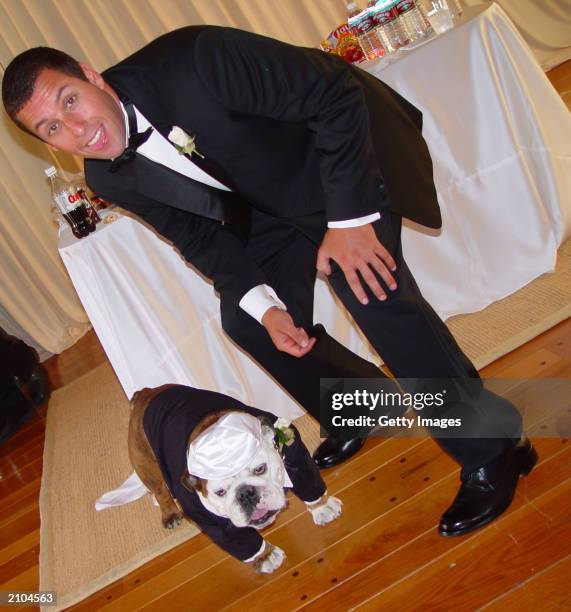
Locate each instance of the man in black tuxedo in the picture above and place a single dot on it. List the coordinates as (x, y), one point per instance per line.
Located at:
(300, 162)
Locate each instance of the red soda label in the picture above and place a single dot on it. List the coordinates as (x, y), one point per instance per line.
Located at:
(381, 15)
(361, 23)
(342, 30)
(67, 201)
(404, 5)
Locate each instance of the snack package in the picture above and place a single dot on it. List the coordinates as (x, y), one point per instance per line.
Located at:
(344, 43)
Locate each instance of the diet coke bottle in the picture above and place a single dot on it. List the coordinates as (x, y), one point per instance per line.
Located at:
(70, 204)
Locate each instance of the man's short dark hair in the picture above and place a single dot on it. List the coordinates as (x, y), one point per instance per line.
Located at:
(20, 77)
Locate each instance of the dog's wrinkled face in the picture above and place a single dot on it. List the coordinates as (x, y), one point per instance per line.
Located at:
(254, 496)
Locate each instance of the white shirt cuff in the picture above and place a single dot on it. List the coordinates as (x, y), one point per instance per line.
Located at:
(258, 300)
(355, 222)
(260, 552)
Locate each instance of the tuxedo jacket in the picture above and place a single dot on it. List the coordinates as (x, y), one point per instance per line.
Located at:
(293, 131)
(170, 418)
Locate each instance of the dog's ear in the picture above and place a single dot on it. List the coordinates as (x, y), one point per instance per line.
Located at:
(135, 398)
(191, 483)
(268, 430)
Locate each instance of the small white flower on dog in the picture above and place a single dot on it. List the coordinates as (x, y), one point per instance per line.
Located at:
(183, 142)
(285, 434)
(282, 423)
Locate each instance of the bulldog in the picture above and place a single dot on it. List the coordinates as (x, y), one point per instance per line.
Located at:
(228, 466)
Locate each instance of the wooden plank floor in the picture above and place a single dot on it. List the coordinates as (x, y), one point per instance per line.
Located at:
(383, 554)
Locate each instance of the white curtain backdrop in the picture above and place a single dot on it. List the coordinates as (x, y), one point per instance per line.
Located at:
(37, 301)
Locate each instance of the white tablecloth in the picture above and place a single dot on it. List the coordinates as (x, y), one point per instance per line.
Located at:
(499, 137)
(544, 24)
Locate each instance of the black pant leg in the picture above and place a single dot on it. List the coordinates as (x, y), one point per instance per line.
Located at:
(415, 343)
(288, 258)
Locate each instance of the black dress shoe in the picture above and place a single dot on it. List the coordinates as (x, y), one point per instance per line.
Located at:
(36, 387)
(487, 492)
(334, 451)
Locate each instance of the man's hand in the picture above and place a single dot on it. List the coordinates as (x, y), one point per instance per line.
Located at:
(356, 249)
(285, 335)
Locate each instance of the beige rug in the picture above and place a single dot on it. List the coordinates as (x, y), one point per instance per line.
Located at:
(503, 326)
(85, 453)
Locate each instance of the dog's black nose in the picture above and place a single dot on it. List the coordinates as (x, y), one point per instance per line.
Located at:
(247, 496)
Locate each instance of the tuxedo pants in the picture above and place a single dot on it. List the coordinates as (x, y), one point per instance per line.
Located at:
(406, 332)
(287, 258)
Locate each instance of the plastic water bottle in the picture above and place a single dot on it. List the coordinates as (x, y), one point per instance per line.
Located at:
(412, 19)
(70, 204)
(388, 25)
(363, 27)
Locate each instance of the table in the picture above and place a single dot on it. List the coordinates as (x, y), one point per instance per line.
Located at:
(157, 319)
(496, 131)
(500, 139)
(544, 24)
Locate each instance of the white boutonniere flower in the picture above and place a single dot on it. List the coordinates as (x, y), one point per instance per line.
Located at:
(284, 433)
(183, 142)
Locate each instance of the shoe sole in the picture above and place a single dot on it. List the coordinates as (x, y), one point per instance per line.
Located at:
(526, 462)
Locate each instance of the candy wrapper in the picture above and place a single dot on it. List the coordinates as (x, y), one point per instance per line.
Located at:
(344, 43)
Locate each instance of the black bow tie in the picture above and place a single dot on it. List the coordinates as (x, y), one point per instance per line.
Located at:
(136, 139)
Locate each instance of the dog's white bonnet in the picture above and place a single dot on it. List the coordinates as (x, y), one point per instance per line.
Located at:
(225, 448)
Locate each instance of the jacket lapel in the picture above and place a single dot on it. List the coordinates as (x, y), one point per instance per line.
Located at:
(164, 184)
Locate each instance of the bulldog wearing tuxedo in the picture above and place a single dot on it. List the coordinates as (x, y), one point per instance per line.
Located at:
(299, 162)
(227, 465)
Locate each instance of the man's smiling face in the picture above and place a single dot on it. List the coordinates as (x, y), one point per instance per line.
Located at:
(79, 117)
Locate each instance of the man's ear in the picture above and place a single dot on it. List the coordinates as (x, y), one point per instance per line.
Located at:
(92, 75)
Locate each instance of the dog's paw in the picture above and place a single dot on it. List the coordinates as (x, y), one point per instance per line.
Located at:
(272, 561)
(172, 520)
(327, 512)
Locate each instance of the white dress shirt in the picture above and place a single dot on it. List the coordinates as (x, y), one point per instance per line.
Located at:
(158, 149)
